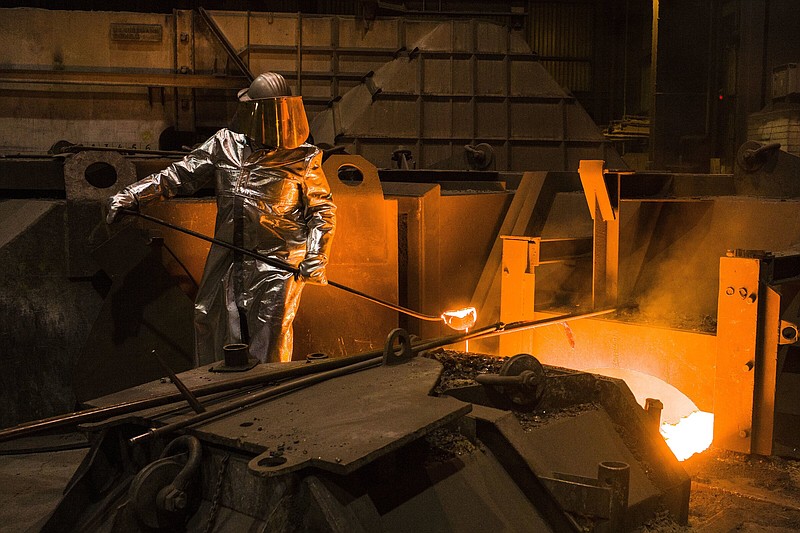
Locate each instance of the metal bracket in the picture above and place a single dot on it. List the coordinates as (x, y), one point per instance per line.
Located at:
(605, 497)
(397, 348)
(789, 333)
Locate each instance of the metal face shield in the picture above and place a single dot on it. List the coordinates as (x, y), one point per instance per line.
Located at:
(274, 122)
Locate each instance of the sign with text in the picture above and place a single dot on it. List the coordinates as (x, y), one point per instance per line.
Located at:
(143, 33)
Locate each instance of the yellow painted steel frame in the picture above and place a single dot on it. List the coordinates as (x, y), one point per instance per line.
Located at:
(733, 373)
(750, 337)
(517, 287)
(737, 350)
(605, 214)
(744, 358)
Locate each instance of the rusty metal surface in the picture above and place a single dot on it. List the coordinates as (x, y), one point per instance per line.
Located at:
(144, 309)
(463, 83)
(45, 315)
(554, 444)
(85, 195)
(342, 424)
(480, 496)
(581, 421)
(569, 443)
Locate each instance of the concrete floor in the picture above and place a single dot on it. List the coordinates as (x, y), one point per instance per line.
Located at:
(31, 484)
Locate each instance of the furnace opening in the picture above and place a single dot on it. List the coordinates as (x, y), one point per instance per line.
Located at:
(686, 429)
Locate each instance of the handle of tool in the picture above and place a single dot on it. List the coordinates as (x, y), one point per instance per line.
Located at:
(498, 380)
(280, 264)
(190, 398)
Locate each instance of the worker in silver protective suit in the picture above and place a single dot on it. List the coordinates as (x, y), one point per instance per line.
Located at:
(272, 198)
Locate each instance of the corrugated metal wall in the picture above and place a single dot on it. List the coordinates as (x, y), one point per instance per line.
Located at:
(562, 34)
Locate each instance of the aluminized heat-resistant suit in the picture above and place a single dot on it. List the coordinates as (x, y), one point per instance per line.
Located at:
(273, 199)
(274, 202)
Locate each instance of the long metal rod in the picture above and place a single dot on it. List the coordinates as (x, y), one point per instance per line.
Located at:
(523, 325)
(253, 399)
(75, 148)
(101, 413)
(121, 79)
(249, 401)
(501, 328)
(277, 263)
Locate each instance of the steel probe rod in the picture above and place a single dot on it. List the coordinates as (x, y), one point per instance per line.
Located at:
(277, 263)
(487, 331)
(99, 413)
(501, 328)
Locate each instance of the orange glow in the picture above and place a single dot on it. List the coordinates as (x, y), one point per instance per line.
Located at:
(460, 319)
(686, 429)
(692, 434)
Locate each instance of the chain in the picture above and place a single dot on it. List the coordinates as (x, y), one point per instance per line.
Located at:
(212, 514)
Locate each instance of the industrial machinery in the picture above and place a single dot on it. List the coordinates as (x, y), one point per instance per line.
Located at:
(723, 336)
(711, 263)
(399, 440)
(611, 305)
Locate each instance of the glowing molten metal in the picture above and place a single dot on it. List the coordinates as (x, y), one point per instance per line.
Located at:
(692, 434)
(460, 319)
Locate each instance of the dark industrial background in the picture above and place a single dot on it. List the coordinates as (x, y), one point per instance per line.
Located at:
(462, 142)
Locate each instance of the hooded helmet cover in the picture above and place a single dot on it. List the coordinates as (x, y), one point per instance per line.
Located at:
(269, 114)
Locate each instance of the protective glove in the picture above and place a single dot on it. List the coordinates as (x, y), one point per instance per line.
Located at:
(312, 269)
(124, 199)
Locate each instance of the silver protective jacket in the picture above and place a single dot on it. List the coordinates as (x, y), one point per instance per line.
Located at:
(274, 202)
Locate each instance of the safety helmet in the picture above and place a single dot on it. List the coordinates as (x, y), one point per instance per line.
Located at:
(269, 114)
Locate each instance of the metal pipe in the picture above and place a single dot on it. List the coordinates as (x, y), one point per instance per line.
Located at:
(75, 148)
(524, 325)
(501, 328)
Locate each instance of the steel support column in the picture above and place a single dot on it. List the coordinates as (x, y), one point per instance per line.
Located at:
(517, 286)
(749, 330)
(604, 211)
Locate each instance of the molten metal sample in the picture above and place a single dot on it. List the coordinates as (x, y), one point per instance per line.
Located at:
(460, 319)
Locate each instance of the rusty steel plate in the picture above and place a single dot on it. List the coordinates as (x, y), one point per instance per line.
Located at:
(340, 424)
